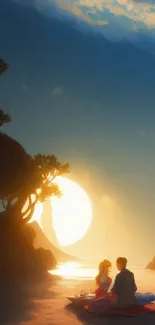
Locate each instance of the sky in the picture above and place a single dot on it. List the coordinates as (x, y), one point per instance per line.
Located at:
(80, 85)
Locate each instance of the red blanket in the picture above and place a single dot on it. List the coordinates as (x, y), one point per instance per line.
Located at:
(132, 311)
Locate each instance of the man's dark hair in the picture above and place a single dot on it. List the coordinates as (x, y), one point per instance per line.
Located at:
(122, 260)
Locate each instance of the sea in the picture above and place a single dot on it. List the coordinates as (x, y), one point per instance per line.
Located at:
(78, 272)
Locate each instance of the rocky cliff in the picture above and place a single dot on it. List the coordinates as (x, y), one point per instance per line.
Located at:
(42, 241)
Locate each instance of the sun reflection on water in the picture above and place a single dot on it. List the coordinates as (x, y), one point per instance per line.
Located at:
(145, 279)
(73, 270)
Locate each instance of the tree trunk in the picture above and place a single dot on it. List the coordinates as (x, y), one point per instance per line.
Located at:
(18, 257)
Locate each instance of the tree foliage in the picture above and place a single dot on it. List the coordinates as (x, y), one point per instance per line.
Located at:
(3, 66)
(25, 179)
(4, 118)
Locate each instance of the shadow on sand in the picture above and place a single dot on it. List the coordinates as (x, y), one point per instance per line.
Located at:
(89, 319)
(18, 298)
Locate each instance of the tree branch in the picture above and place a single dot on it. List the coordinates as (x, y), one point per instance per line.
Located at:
(31, 205)
(28, 218)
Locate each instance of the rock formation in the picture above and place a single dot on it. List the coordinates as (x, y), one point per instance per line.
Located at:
(151, 265)
(42, 241)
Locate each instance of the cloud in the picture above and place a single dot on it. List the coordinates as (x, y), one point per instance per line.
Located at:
(136, 11)
(57, 91)
(145, 1)
(115, 19)
(76, 9)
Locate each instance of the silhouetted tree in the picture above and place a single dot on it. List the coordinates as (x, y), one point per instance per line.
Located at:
(3, 66)
(24, 180)
(4, 118)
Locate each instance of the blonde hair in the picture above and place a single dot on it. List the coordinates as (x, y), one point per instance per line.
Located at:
(104, 266)
(103, 269)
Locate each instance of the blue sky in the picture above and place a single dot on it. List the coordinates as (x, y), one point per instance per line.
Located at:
(81, 85)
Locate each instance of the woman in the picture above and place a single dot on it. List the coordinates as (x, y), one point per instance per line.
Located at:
(104, 299)
(103, 280)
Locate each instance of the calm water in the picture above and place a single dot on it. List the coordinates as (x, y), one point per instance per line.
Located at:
(70, 271)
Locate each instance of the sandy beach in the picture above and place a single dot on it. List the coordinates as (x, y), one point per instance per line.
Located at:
(45, 303)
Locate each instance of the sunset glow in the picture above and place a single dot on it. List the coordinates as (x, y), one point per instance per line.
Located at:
(37, 213)
(72, 212)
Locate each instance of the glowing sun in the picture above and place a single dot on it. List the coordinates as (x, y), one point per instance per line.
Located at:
(72, 212)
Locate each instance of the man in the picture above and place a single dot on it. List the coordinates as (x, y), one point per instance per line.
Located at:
(124, 287)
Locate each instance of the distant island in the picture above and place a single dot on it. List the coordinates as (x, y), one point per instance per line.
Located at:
(151, 265)
(42, 241)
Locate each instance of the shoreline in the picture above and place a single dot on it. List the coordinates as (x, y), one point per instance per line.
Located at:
(45, 303)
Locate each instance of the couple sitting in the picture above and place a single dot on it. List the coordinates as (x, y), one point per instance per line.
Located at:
(122, 294)
(124, 287)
